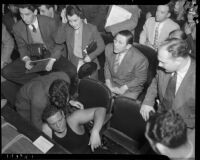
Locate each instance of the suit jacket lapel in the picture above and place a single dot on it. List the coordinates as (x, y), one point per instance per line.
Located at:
(185, 80)
(126, 61)
(42, 30)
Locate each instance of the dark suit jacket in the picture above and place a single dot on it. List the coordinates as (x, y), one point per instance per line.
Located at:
(90, 33)
(184, 102)
(131, 72)
(48, 28)
(32, 98)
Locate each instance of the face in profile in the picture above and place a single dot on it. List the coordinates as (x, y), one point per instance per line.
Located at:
(27, 15)
(166, 61)
(57, 122)
(75, 21)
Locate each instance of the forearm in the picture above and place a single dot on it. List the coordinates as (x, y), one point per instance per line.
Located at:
(99, 117)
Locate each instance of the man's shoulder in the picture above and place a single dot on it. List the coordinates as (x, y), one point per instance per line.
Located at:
(19, 26)
(137, 54)
(171, 23)
(109, 47)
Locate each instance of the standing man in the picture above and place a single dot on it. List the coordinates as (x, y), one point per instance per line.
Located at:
(175, 85)
(78, 35)
(156, 29)
(30, 30)
(125, 66)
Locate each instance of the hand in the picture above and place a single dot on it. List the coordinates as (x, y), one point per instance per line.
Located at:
(87, 59)
(76, 104)
(3, 102)
(95, 140)
(145, 110)
(50, 64)
(63, 16)
(108, 29)
(123, 89)
(28, 65)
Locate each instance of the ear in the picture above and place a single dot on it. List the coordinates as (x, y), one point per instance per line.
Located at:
(168, 15)
(128, 46)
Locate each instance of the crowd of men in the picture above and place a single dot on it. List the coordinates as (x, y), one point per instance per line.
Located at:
(66, 32)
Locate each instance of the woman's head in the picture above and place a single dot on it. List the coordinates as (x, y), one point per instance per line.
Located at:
(59, 93)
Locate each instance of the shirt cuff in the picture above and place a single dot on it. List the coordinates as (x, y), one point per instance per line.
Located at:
(26, 58)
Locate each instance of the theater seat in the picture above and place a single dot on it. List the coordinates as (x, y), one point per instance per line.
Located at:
(126, 126)
(151, 55)
(93, 93)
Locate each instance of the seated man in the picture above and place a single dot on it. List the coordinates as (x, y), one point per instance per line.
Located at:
(125, 66)
(167, 134)
(78, 35)
(34, 29)
(68, 128)
(33, 97)
(156, 29)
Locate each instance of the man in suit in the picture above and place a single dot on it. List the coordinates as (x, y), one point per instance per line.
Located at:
(125, 66)
(156, 29)
(30, 30)
(174, 58)
(78, 35)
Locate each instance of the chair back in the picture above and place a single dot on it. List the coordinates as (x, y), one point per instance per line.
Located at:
(93, 93)
(127, 119)
(151, 55)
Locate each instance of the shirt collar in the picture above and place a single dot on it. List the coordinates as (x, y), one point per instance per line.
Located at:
(184, 70)
(35, 23)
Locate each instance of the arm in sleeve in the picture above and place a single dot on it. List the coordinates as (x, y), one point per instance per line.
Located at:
(152, 92)
(38, 103)
(140, 72)
(143, 34)
(100, 44)
(7, 45)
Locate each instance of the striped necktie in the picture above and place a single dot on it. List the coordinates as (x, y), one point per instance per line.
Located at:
(117, 62)
(155, 44)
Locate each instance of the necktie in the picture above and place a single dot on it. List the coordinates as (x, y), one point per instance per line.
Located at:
(155, 44)
(169, 93)
(117, 62)
(34, 29)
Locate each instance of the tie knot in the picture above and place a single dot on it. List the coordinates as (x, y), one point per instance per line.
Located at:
(34, 29)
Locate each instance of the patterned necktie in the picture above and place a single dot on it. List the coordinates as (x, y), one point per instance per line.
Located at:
(155, 44)
(169, 93)
(34, 29)
(117, 62)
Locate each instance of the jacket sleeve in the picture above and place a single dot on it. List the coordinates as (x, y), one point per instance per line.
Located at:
(143, 34)
(38, 103)
(140, 72)
(7, 45)
(100, 44)
(106, 67)
(152, 92)
(58, 48)
(21, 44)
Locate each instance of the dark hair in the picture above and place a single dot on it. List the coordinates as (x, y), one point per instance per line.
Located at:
(74, 9)
(128, 34)
(29, 6)
(177, 47)
(49, 111)
(179, 34)
(59, 93)
(167, 128)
